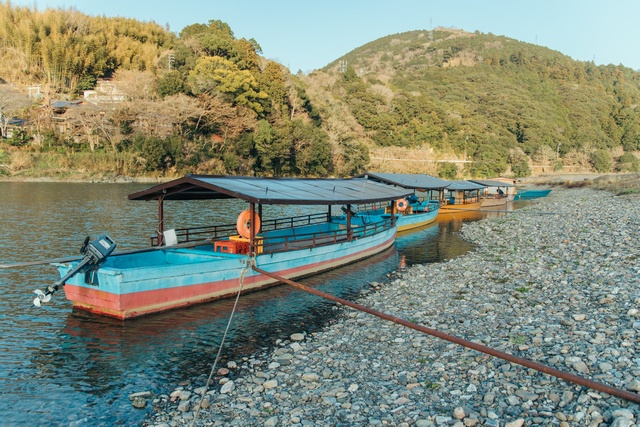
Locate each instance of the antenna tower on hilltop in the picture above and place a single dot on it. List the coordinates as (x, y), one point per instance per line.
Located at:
(431, 29)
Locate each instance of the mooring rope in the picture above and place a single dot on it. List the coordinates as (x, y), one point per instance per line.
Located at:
(453, 211)
(520, 212)
(567, 376)
(249, 263)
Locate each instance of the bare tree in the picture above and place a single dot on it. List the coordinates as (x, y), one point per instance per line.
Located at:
(136, 85)
(544, 156)
(95, 124)
(176, 114)
(226, 121)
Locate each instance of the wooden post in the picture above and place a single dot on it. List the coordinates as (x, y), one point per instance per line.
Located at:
(349, 231)
(252, 227)
(161, 220)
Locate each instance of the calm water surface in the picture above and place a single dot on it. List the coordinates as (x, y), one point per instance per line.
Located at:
(60, 366)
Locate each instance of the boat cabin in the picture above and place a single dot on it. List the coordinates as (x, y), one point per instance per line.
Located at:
(252, 233)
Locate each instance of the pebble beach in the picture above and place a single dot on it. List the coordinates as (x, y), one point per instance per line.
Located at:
(556, 282)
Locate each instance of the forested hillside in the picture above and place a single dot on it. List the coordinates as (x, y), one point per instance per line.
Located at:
(97, 97)
(92, 96)
(496, 102)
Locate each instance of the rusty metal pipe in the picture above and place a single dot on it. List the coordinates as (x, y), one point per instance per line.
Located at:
(567, 376)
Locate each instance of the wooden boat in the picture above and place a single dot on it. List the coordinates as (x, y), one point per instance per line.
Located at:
(418, 214)
(410, 215)
(460, 215)
(531, 194)
(194, 265)
(463, 196)
(419, 209)
(496, 193)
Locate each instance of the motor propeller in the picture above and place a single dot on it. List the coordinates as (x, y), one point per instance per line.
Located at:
(42, 297)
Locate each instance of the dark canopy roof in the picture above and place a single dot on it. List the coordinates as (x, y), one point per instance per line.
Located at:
(413, 181)
(285, 191)
(464, 186)
(491, 183)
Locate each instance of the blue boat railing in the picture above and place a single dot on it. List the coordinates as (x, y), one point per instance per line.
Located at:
(283, 243)
(218, 232)
(270, 241)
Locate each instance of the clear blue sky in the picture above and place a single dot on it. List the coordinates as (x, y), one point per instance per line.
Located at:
(309, 35)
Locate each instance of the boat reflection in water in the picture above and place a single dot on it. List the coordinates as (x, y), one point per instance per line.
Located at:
(434, 243)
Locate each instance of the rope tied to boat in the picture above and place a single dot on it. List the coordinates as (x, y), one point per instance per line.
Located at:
(249, 264)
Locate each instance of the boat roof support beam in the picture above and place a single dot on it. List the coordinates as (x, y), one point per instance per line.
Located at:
(161, 220)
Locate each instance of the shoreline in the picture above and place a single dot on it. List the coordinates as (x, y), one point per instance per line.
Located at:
(556, 282)
(117, 180)
(543, 179)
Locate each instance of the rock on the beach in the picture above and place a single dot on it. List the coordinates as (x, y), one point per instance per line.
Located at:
(184, 406)
(459, 413)
(271, 422)
(622, 422)
(581, 367)
(139, 402)
(142, 394)
(270, 384)
(310, 377)
(227, 387)
(633, 385)
(297, 337)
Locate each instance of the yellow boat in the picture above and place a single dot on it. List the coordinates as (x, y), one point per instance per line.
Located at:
(462, 196)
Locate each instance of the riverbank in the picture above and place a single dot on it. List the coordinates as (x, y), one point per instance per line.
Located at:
(556, 282)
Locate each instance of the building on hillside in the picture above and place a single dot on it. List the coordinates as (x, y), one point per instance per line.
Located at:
(105, 92)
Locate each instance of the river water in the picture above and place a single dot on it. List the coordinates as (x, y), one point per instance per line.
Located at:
(60, 366)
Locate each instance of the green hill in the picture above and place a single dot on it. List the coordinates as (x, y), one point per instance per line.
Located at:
(495, 101)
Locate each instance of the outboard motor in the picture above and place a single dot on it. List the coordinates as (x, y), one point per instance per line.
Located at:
(352, 208)
(95, 253)
(412, 199)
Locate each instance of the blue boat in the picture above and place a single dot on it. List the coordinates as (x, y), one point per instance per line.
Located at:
(416, 210)
(531, 194)
(193, 265)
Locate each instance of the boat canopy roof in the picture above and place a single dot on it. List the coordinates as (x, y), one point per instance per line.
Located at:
(491, 183)
(275, 191)
(464, 186)
(414, 181)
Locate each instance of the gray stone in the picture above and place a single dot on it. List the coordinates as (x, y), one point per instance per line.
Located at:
(526, 395)
(622, 422)
(227, 387)
(297, 337)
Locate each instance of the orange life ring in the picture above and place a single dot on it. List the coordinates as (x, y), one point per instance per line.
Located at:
(243, 224)
(402, 204)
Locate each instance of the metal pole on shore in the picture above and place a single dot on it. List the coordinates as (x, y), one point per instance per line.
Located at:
(567, 376)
